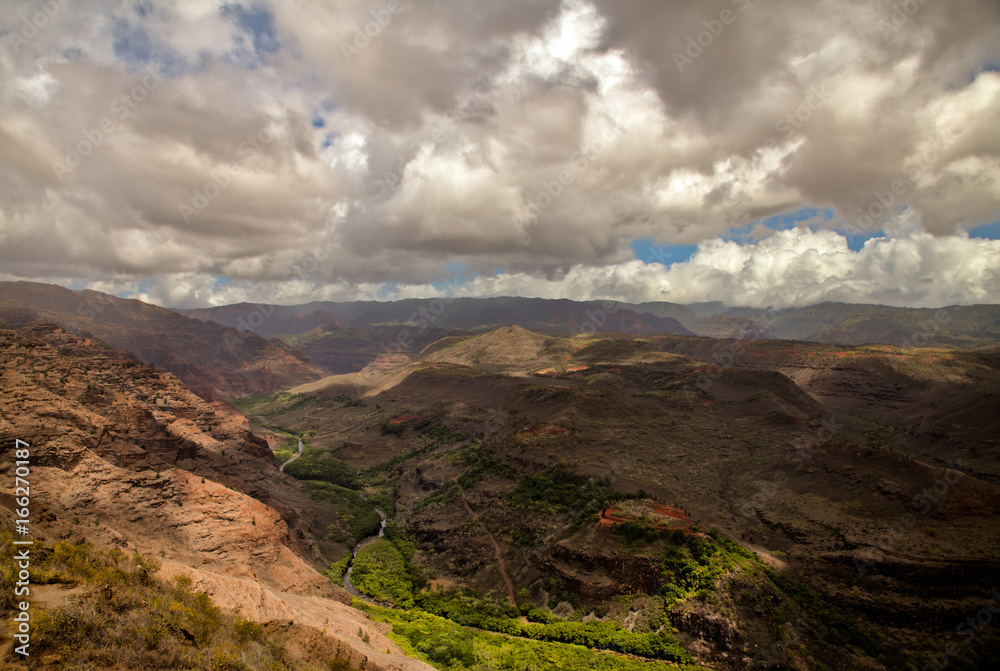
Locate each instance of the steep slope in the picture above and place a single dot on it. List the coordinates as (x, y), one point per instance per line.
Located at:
(847, 324)
(865, 476)
(210, 358)
(348, 349)
(128, 457)
(507, 346)
(726, 326)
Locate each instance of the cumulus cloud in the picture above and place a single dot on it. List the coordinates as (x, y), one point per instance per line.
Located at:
(358, 148)
(791, 268)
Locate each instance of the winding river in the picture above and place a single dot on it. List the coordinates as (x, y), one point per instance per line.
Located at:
(294, 456)
(346, 580)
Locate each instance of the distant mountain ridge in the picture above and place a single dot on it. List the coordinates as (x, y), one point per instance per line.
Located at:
(539, 314)
(244, 349)
(208, 357)
(961, 326)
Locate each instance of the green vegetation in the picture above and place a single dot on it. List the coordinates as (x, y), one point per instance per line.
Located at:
(323, 466)
(337, 569)
(443, 495)
(693, 564)
(381, 572)
(562, 490)
(483, 464)
(485, 469)
(611, 349)
(357, 518)
(128, 618)
(261, 406)
(451, 647)
(383, 496)
(877, 437)
(471, 610)
(287, 448)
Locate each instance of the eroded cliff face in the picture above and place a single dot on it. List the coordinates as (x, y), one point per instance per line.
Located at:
(122, 455)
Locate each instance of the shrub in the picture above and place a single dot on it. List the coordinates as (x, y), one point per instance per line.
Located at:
(380, 571)
(129, 618)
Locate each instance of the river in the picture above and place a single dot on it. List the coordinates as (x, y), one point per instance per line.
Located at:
(346, 580)
(294, 456)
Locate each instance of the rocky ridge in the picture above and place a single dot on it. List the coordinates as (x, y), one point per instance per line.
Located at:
(125, 456)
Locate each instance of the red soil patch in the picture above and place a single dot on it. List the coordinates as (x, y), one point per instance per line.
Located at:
(612, 517)
(407, 418)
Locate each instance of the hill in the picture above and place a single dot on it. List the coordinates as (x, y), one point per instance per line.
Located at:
(211, 358)
(128, 459)
(837, 323)
(863, 481)
(958, 326)
(538, 314)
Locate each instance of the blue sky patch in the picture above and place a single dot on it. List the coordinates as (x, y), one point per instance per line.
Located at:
(258, 22)
(987, 231)
(648, 252)
(456, 273)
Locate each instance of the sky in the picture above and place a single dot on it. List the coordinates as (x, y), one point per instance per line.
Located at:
(781, 153)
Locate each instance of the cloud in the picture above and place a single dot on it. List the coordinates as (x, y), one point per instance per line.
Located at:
(790, 268)
(538, 136)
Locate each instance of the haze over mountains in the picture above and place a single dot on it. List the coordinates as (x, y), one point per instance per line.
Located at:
(840, 323)
(243, 349)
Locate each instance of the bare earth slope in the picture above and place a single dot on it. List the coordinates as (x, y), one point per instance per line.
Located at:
(125, 456)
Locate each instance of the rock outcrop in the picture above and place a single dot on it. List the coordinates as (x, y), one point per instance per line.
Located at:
(121, 455)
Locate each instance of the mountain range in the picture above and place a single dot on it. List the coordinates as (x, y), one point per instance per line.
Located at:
(635, 487)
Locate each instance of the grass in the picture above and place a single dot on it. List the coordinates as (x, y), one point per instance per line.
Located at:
(320, 465)
(469, 609)
(129, 618)
(451, 647)
(287, 448)
(357, 518)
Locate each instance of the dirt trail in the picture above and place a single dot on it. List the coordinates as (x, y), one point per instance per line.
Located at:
(496, 549)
